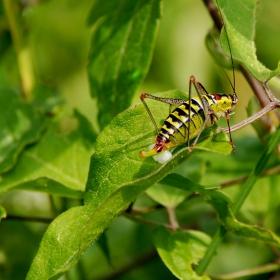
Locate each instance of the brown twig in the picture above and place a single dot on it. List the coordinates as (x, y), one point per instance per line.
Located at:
(268, 172)
(133, 217)
(255, 86)
(248, 272)
(172, 218)
(265, 110)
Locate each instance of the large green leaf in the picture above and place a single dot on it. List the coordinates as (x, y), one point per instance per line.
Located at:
(57, 164)
(239, 18)
(117, 176)
(117, 160)
(121, 52)
(21, 124)
(180, 250)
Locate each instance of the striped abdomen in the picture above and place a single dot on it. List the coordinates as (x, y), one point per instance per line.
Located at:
(176, 126)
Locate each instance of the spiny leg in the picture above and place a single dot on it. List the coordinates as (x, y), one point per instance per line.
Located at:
(143, 95)
(199, 89)
(229, 131)
(192, 80)
(200, 131)
(170, 101)
(226, 115)
(208, 112)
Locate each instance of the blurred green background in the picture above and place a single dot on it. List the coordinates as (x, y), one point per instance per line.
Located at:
(60, 42)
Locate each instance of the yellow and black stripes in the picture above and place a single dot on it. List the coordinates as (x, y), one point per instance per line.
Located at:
(186, 120)
(189, 118)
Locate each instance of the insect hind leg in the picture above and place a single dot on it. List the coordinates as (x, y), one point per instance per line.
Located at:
(208, 112)
(170, 101)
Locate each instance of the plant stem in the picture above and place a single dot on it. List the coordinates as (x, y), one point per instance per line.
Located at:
(248, 272)
(23, 53)
(255, 86)
(265, 110)
(145, 221)
(172, 218)
(274, 141)
(269, 172)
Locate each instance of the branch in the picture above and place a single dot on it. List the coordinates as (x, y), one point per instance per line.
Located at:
(268, 172)
(145, 221)
(172, 218)
(265, 110)
(248, 272)
(255, 86)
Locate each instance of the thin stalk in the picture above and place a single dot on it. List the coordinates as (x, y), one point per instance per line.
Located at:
(274, 141)
(25, 64)
(172, 218)
(248, 272)
(262, 112)
(145, 221)
(269, 172)
(255, 86)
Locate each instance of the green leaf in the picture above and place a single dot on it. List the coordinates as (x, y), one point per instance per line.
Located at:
(245, 191)
(57, 165)
(20, 125)
(58, 249)
(180, 250)
(117, 177)
(121, 52)
(222, 205)
(239, 17)
(100, 9)
(267, 191)
(117, 161)
(167, 196)
(3, 213)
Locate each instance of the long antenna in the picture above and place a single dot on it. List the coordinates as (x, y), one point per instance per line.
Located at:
(232, 64)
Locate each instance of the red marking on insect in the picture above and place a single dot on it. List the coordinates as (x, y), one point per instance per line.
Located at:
(216, 96)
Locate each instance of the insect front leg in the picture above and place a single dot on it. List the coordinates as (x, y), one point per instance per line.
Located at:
(209, 114)
(226, 115)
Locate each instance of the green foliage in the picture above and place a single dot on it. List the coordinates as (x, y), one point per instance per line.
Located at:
(180, 249)
(21, 125)
(47, 148)
(121, 53)
(57, 165)
(239, 19)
